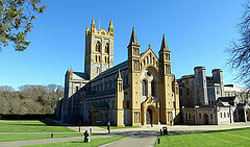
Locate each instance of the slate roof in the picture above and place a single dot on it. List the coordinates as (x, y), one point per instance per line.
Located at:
(103, 93)
(82, 75)
(112, 69)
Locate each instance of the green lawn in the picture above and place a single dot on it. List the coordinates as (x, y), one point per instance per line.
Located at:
(237, 137)
(30, 126)
(93, 143)
(115, 127)
(16, 137)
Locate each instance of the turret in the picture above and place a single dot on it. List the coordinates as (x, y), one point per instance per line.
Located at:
(201, 97)
(166, 99)
(134, 76)
(111, 28)
(218, 78)
(93, 24)
(119, 100)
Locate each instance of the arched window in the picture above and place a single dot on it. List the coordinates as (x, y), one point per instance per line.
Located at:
(153, 88)
(96, 58)
(97, 70)
(98, 47)
(107, 48)
(144, 88)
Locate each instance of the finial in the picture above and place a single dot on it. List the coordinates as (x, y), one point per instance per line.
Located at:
(71, 71)
(93, 21)
(149, 45)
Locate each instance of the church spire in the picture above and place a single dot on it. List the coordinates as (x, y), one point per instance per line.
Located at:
(164, 43)
(133, 39)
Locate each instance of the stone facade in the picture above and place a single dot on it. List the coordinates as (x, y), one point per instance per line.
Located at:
(203, 101)
(141, 90)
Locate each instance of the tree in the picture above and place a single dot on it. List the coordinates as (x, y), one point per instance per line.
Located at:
(240, 49)
(16, 18)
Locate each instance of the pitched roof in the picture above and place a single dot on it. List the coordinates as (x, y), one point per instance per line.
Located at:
(111, 70)
(82, 75)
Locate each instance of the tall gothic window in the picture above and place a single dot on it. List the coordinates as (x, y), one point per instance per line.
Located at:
(144, 88)
(107, 48)
(153, 88)
(98, 47)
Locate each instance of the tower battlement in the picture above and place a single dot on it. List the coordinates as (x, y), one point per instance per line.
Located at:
(99, 49)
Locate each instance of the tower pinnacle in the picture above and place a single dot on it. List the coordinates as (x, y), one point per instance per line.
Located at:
(133, 39)
(93, 24)
(164, 43)
(111, 27)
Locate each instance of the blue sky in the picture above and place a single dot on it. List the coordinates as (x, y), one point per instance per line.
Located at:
(197, 33)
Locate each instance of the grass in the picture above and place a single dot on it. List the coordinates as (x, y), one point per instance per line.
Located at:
(17, 137)
(92, 143)
(115, 127)
(237, 137)
(30, 126)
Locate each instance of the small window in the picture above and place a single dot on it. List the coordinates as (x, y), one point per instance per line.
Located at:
(107, 48)
(225, 114)
(77, 88)
(98, 47)
(148, 74)
(221, 115)
(199, 115)
(211, 115)
(97, 70)
(96, 59)
(128, 104)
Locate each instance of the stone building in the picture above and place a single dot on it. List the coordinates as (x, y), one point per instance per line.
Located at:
(139, 91)
(203, 100)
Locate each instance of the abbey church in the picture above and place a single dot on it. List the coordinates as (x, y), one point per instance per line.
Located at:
(141, 90)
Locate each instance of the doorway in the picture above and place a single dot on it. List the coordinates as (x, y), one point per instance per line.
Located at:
(205, 117)
(149, 116)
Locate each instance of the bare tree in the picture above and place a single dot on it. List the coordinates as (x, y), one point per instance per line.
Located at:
(240, 49)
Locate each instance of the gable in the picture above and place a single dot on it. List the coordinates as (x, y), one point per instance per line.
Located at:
(148, 58)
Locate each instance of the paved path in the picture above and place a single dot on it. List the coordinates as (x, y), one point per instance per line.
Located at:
(46, 141)
(139, 137)
(134, 141)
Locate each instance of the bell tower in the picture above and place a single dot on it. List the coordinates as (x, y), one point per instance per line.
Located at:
(99, 49)
(166, 98)
(134, 76)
